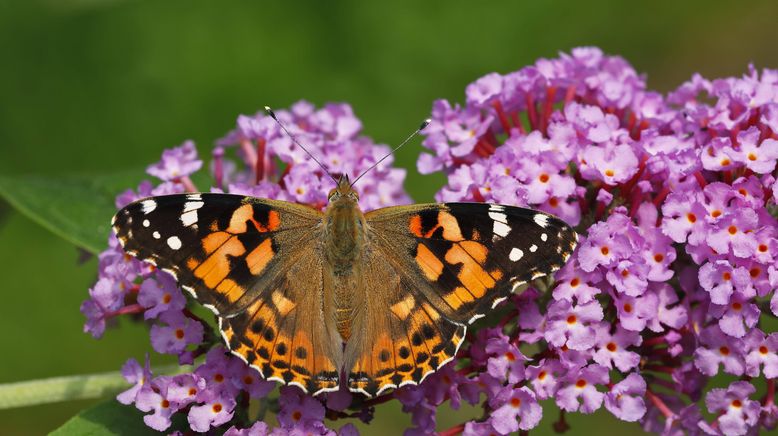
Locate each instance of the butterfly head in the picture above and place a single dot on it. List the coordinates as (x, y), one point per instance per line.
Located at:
(343, 193)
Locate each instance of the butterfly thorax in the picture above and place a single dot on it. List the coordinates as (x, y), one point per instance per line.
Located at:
(345, 234)
(344, 241)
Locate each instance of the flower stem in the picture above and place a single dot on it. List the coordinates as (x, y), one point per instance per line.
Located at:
(455, 430)
(659, 404)
(66, 388)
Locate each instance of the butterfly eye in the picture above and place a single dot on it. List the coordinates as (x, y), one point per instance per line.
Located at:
(354, 195)
(333, 193)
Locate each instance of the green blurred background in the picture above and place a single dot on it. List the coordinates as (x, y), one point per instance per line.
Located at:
(97, 86)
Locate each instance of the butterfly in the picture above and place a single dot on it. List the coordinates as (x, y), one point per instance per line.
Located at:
(374, 300)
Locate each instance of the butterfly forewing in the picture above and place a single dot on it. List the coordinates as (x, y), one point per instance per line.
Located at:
(222, 248)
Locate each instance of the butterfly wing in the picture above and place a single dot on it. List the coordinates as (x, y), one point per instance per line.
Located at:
(465, 258)
(237, 256)
(438, 268)
(399, 337)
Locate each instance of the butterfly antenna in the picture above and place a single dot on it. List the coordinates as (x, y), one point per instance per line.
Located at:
(423, 125)
(283, 127)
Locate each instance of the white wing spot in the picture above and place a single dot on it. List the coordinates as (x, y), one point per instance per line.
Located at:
(475, 317)
(496, 207)
(498, 301)
(537, 274)
(501, 229)
(194, 197)
(146, 223)
(541, 220)
(544, 237)
(189, 218)
(148, 206)
(156, 235)
(515, 254)
(498, 216)
(533, 248)
(192, 205)
(173, 242)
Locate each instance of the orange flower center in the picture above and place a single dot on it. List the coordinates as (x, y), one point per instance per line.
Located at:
(725, 162)
(724, 350)
(515, 402)
(691, 217)
(715, 213)
(627, 307)
(543, 178)
(737, 404)
(218, 378)
(166, 298)
(751, 156)
(727, 276)
(611, 347)
(609, 173)
(165, 404)
(572, 319)
(575, 282)
(732, 230)
(217, 408)
(180, 333)
(580, 383)
(754, 272)
(762, 248)
(509, 355)
(605, 251)
(659, 257)
(763, 349)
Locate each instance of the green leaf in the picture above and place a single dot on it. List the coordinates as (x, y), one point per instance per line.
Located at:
(106, 418)
(114, 418)
(76, 208)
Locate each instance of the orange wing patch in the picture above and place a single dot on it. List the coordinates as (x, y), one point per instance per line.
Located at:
(430, 265)
(445, 221)
(258, 259)
(245, 214)
(216, 266)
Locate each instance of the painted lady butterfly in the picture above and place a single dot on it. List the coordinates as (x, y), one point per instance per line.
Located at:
(306, 297)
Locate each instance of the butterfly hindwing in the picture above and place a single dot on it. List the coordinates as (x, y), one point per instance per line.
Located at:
(399, 338)
(465, 258)
(284, 335)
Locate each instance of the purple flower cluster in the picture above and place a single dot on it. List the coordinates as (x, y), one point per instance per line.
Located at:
(674, 280)
(257, 159)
